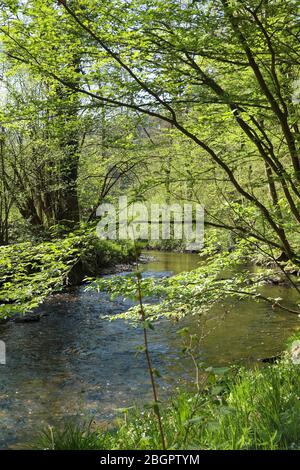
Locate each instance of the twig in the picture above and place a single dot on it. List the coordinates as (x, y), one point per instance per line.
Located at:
(147, 353)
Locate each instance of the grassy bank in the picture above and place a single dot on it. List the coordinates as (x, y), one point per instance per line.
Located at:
(243, 409)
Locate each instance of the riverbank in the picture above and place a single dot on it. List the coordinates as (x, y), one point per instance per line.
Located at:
(235, 409)
(30, 273)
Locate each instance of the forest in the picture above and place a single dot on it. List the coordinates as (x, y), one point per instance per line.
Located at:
(133, 343)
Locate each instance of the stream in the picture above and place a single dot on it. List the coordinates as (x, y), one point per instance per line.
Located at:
(75, 365)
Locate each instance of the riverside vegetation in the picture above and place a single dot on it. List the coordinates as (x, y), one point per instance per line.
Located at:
(235, 409)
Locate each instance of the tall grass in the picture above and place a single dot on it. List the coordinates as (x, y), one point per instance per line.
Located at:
(249, 409)
(72, 437)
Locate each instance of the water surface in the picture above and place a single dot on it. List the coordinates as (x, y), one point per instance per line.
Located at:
(73, 364)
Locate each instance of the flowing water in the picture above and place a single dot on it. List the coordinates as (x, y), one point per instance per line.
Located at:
(75, 365)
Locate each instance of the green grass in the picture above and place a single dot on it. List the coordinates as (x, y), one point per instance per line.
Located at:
(246, 409)
(72, 437)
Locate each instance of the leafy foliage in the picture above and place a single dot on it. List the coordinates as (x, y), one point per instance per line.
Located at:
(29, 273)
(194, 101)
(219, 275)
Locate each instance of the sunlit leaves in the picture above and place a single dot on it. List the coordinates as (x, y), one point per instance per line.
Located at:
(29, 273)
(190, 293)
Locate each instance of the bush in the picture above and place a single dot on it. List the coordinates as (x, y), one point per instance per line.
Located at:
(104, 253)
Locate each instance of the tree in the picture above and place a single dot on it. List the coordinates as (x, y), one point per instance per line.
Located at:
(220, 73)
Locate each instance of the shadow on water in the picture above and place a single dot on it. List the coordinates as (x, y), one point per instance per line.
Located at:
(73, 364)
